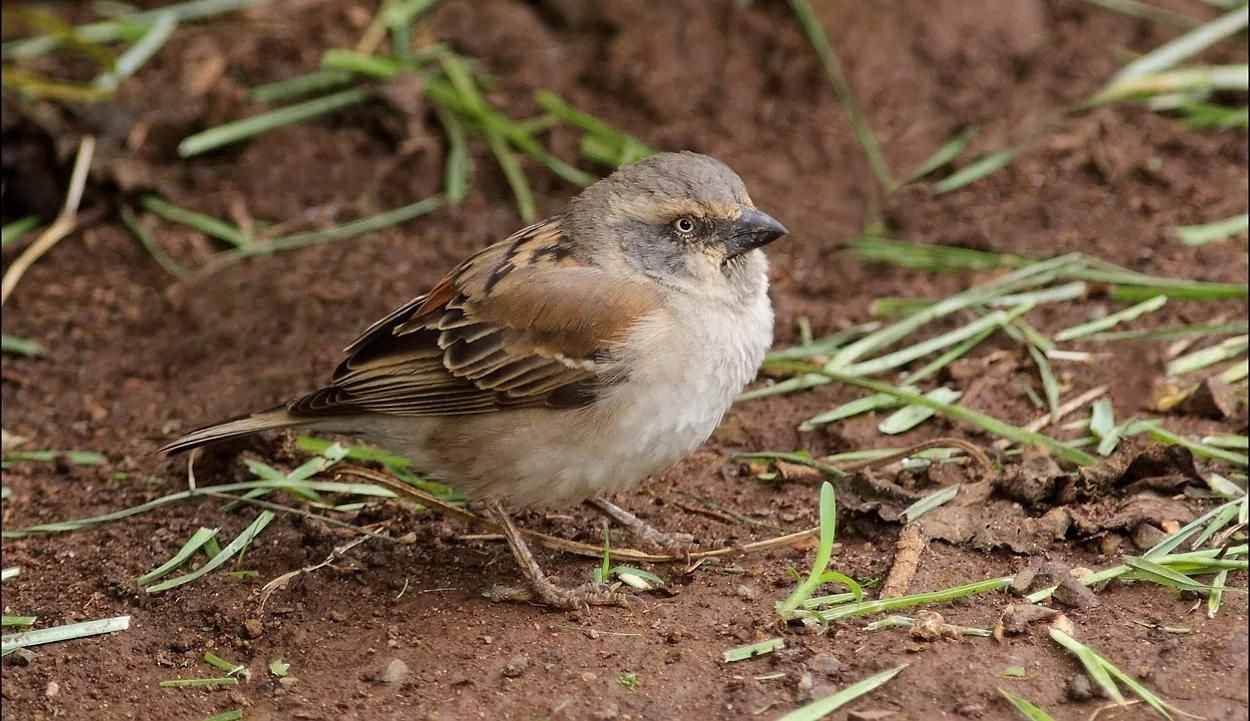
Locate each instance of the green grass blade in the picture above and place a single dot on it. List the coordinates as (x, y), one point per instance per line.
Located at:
(318, 80)
(77, 458)
(1111, 320)
(908, 417)
(459, 164)
(848, 410)
(944, 154)
(1169, 333)
(981, 167)
(824, 551)
(967, 415)
(815, 33)
(1194, 235)
(753, 650)
(13, 232)
(886, 605)
(234, 714)
(199, 538)
(16, 345)
(1093, 667)
(1224, 350)
(1049, 384)
(149, 244)
(821, 708)
(906, 355)
(235, 546)
(1028, 276)
(1160, 433)
(1216, 597)
(8, 621)
(26, 639)
(239, 130)
(129, 62)
(117, 28)
(1228, 441)
(1026, 709)
(930, 502)
(206, 224)
(10, 572)
(1185, 46)
(200, 682)
(370, 224)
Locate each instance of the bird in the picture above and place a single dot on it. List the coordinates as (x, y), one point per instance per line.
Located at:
(574, 359)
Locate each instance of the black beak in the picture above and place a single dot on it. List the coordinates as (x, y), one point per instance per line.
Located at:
(753, 229)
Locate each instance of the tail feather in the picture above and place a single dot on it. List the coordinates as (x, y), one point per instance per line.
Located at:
(243, 426)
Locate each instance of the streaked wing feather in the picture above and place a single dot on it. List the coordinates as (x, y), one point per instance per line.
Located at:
(520, 324)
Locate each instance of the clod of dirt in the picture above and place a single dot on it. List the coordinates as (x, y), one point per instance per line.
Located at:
(1044, 574)
(606, 711)
(395, 673)
(826, 664)
(747, 593)
(1215, 399)
(1018, 616)
(1159, 467)
(515, 666)
(1079, 688)
(930, 626)
(1032, 481)
(253, 628)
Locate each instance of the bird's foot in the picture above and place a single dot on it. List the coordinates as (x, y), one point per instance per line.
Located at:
(647, 536)
(566, 599)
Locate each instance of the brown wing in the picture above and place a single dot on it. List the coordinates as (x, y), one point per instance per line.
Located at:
(520, 324)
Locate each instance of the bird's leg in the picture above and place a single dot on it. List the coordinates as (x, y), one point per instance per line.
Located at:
(647, 535)
(589, 594)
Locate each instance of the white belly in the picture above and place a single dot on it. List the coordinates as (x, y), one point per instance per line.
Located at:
(683, 379)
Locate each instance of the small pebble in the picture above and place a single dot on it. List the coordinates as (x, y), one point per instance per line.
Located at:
(253, 628)
(747, 593)
(589, 677)
(516, 666)
(1079, 688)
(52, 690)
(826, 664)
(395, 673)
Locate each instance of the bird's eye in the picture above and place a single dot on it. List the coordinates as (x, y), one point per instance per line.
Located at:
(684, 225)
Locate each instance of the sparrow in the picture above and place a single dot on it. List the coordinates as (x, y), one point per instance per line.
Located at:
(574, 359)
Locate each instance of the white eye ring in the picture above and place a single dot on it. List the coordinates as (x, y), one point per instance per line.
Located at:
(684, 225)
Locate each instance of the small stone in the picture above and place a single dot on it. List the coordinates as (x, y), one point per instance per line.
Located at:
(589, 676)
(52, 690)
(1147, 535)
(1110, 544)
(395, 673)
(516, 666)
(747, 593)
(338, 616)
(592, 634)
(970, 710)
(1074, 594)
(1018, 616)
(253, 628)
(870, 715)
(24, 657)
(1064, 624)
(488, 640)
(606, 711)
(826, 664)
(805, 683)
(930, 626)
(288, 681)
(1079, 688)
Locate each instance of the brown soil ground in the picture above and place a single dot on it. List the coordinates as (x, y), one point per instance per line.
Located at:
(135, 356)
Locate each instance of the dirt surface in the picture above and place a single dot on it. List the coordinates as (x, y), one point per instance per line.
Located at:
(135, 356)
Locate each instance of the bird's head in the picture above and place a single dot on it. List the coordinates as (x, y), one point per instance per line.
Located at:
(681, 220)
